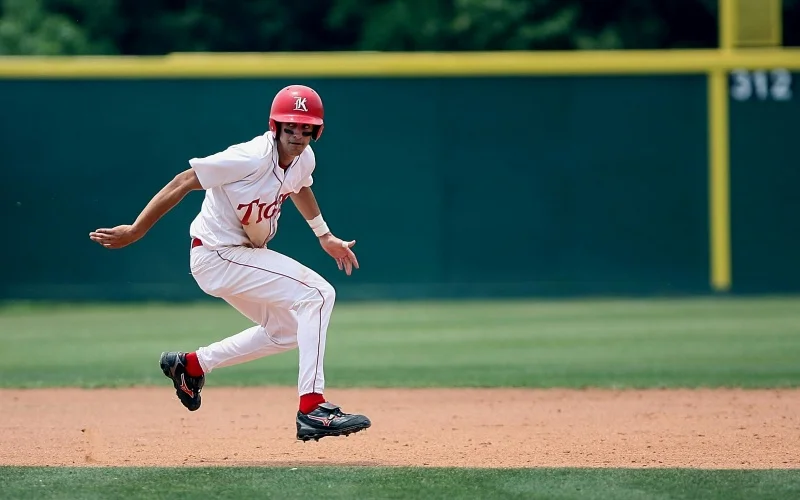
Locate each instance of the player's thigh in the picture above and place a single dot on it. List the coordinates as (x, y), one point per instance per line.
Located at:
(265, 276)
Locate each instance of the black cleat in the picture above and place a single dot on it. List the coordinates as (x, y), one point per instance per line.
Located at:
(328, 420)
(188, 388)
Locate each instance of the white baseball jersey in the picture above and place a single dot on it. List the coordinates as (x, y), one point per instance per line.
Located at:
(245, 188)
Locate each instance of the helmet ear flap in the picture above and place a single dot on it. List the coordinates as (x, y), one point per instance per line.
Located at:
(317, 131)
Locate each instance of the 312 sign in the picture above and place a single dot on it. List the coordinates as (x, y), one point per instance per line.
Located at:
(762, 85)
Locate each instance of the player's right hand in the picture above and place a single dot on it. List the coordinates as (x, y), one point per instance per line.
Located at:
(115, 237)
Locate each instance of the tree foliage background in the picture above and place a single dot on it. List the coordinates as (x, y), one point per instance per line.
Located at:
(153, 27)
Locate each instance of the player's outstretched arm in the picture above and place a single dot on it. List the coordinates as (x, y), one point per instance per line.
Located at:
(339, 249)
(160, 204)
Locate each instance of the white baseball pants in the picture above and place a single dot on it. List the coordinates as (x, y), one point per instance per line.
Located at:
(290, 304)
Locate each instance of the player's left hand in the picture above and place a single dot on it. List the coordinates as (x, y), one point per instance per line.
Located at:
(340, 251)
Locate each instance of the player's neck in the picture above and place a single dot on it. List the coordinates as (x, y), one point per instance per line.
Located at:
(284, 159)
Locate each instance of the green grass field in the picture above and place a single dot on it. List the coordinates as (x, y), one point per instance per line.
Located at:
(602, 343)
(751, 343)
(381, 483)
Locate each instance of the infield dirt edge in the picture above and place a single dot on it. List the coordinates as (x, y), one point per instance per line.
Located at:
(505, 428)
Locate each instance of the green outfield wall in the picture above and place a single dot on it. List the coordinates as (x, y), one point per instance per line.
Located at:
(453, 187)
(765, 181)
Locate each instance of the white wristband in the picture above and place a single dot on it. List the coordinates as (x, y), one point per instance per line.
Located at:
(318, 225)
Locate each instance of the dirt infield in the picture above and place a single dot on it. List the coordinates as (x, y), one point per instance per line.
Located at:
(462, 428)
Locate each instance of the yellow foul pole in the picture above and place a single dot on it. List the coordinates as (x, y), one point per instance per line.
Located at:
(719, 156)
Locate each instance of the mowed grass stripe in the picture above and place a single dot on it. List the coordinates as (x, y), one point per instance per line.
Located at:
(394, 483)
(747, 342)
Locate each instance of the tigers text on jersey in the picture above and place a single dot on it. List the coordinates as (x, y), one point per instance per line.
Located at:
(245, 188)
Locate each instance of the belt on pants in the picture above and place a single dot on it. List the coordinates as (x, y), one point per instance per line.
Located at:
(196, 242)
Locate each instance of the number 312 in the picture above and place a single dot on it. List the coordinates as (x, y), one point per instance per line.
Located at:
(762, 85)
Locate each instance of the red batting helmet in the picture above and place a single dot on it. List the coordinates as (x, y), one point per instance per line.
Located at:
(297, 104)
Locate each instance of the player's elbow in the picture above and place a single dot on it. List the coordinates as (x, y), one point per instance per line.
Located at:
(186, 181)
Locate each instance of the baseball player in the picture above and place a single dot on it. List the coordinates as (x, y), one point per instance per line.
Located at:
(245, 186)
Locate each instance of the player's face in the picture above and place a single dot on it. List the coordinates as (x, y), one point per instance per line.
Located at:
(295, 137)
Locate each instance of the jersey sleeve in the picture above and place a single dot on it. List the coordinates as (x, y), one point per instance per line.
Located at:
(230, 165)
(307, 181)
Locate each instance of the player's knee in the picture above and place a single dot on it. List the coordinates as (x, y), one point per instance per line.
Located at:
(320, 294)
(328, 293)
